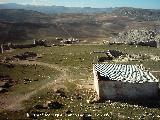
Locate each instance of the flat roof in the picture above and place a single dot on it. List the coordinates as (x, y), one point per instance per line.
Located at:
(124, 73)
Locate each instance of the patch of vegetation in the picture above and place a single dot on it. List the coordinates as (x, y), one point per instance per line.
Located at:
(78, 59)
(27, 78)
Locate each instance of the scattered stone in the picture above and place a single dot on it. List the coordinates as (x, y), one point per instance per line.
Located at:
(88, 101)
(9, 59)
(103, 59)
(69, 112)
(27, 80)
(10, 66)
(61, 93)
(55, 105)
(114, 53)
(35, 114)
(26, 56)
(5, 83)
(39, 106)
(2, 90)
(87, 116)
(27, 115)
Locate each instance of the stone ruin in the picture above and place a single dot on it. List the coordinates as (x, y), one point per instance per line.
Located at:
(110, 55)
(40, 42)
(150, 43)
(70, 41)
(119, 56)
(26, 56)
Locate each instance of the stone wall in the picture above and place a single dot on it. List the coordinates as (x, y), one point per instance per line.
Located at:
(151, 43)
(117, 90)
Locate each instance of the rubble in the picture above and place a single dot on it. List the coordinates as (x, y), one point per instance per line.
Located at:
(26, 56)
(70, 41)
(55, 105)
(5, 83)
(69, 112)
(87, 116)
(61, 93)
(115, 53)
(104, 59)
(111, 54)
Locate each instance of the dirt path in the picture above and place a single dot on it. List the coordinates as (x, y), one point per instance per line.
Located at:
(154, 71)
(13, 103)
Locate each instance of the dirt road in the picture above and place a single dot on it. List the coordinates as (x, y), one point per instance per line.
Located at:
(13, 103)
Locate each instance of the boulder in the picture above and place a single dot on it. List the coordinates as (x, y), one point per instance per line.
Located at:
(55, 105)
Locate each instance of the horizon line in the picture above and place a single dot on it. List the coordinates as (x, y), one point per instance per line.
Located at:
(79, 6)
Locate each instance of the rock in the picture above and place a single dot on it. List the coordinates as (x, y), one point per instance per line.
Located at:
(88, 101)
(39, 106)
(26, 55)
(104, 59)
(27, 80)
(55, 105)
(35, 114)
(69, 112)
(78, 97)
(87, 116)
(3, 90)
(5, 83)
(27, 115)
(61, 92)
(9, 65)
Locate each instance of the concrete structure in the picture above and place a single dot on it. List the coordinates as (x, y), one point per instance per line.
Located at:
(119, 82)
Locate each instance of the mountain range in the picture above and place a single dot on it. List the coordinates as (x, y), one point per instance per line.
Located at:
(55, 9)
(26, 22)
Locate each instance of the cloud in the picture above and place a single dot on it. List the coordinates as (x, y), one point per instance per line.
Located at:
(33, 2)
(41, 2)
(4, 0)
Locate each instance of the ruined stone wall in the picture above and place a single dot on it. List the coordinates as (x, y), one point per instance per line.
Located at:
(123, 90)
(23, 46)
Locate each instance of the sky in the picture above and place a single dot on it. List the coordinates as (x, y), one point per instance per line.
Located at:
(149, 4)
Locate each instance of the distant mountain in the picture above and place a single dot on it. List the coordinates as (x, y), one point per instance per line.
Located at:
(135, 13)
(21, 24)
(55, 9)
(21, 15)
(139, 14)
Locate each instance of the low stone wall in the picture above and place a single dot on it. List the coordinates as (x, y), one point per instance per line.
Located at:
(151, 43)
(116, 90)
(23, 46)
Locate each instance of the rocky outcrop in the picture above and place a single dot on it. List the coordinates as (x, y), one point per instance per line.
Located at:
(140, 36)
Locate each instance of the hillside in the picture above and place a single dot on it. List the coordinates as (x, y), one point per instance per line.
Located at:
(26, 24)
(139, 14)
(20, 23)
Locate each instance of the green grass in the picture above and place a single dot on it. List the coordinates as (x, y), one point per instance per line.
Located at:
(78, 60)
(38, 75)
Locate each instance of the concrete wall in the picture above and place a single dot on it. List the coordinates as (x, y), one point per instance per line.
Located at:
(96, 85)
(121, 90)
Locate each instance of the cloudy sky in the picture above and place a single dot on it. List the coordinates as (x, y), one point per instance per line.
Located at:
(153, 4)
